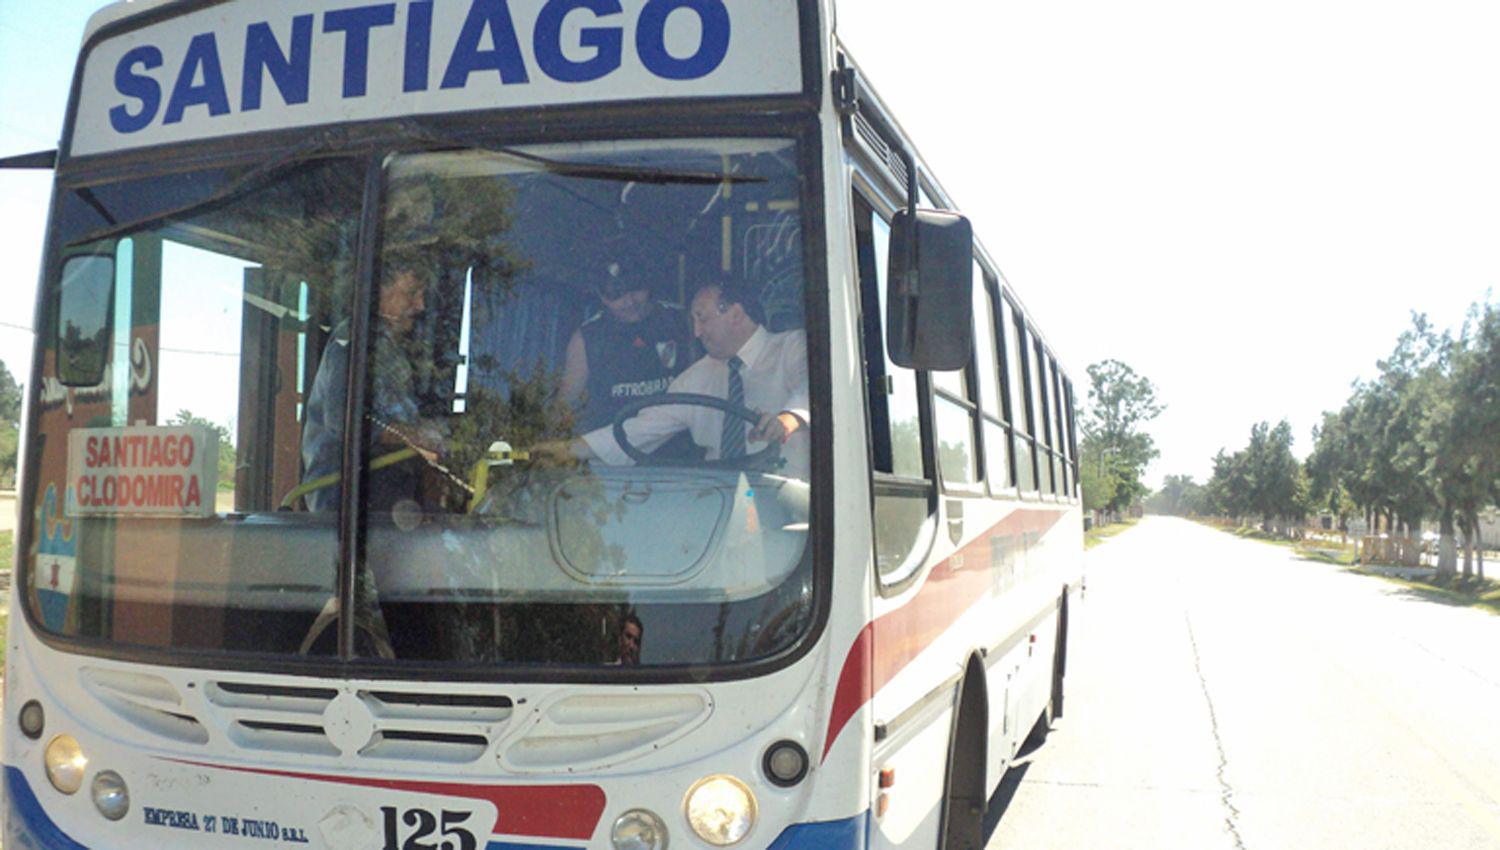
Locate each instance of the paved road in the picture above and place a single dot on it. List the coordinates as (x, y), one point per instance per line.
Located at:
(1225, 694)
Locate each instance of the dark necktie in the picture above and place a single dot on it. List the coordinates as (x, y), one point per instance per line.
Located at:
(732, 439)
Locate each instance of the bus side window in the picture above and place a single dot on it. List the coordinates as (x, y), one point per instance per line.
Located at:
(955, 415)
(996, 440)
(902, 484)
(1059, 442)
(1043, 417)
(1072, 438)
(1014, 327)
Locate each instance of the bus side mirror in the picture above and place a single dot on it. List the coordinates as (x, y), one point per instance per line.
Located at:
(930, 307)
(83, 319)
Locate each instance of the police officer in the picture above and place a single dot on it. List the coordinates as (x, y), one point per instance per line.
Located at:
(632, 348)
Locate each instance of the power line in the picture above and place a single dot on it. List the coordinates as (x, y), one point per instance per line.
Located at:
(196, 351)
(163, 348)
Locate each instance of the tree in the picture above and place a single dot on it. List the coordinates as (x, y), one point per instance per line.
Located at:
(1278, 487)
(1417, 442)
(10, 426)
(227, 459)
(1227, 493)
(1097, 477)
(1121, 402)
(1329, 469)
(1179, 496)
(1263, 479)
(10, 397)
(10, 447)
(1398, 458)
(1470, 466)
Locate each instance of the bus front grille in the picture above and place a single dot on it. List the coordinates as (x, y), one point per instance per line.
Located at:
(588, 730)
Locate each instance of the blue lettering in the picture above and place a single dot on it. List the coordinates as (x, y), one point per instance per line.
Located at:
(651, 39)
(606, 41)
(139, 86)
(492, 16)
(289, 70)
(418, 41)
(356, 24)
(202, 53)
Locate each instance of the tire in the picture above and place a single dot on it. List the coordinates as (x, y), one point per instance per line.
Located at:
(1038, 734)
(1060, 657)
(964, 796)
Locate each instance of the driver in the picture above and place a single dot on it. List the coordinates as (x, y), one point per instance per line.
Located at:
(746, 365)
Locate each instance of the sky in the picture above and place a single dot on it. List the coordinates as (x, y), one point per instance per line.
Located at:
(1242, 201)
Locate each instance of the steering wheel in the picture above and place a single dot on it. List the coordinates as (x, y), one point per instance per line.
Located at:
(767, 458)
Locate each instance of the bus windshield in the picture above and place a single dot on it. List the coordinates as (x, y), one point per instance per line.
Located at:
(583, 429)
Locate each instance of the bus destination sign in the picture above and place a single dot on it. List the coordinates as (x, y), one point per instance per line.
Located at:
(166, 471)
(243, 67)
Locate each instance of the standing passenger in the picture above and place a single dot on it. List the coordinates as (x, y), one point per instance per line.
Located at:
(392, 405)
(632, 348)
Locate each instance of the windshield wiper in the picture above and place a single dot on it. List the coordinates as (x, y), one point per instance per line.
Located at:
(319, 143)
(585, 170)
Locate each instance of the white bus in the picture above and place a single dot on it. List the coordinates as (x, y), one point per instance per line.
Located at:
(514, 424)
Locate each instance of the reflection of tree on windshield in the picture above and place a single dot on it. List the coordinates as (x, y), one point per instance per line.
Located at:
(85, 358)
(227, 461)
(460, 232)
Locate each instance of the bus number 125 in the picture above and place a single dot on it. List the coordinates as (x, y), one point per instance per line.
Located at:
(424, 824)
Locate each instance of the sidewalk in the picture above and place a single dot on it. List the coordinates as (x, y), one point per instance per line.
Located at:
(7, 510)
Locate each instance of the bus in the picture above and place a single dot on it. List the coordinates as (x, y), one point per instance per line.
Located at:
(317, 549)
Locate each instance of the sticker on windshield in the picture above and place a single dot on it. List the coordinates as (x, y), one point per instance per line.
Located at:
(168, 471)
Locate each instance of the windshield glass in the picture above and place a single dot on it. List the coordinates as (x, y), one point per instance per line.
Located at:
(159, 477)
(585, 413)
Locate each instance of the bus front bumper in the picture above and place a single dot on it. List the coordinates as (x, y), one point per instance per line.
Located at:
(28, 827)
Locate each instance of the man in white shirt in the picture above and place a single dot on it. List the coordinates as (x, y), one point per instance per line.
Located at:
(746, 364)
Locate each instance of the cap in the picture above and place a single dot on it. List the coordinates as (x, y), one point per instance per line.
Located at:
(616, 281)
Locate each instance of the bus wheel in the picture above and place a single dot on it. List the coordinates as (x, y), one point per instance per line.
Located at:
(1060, 657)
(1038, 734)
(964, 798)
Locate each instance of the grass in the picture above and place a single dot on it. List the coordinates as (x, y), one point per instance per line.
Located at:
(1250, 533)
(1455, 590)
(1323, 551)
(1328, 553)
(1094, 536)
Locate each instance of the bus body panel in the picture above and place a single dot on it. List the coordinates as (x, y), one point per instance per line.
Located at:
(193, 759)
(982, 597)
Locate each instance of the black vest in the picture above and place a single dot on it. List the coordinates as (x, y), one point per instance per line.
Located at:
(630, 361)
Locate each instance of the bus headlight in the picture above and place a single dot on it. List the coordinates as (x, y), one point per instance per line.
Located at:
(66, 764)
(721, 810)
(785, 763)
(639, 829)
(111, 797)
(33, 719)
